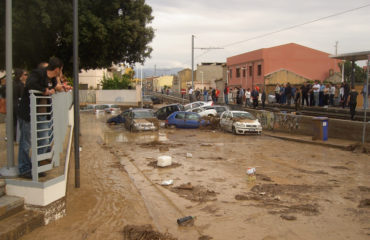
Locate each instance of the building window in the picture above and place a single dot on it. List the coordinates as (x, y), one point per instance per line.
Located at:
(231, 73)
(238, 72)
(259, 69)
(244, 71)
(250, 71)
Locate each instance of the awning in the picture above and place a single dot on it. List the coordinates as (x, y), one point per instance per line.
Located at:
(354, 56)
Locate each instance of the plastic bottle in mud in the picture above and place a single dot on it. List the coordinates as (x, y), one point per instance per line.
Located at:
(184, 220)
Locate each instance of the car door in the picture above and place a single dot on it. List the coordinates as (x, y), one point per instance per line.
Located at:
(179, 120)
(223, 120)
(192, 120)
(229, 122)
(161, 113)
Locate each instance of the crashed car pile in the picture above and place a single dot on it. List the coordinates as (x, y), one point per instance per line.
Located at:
(193, 115)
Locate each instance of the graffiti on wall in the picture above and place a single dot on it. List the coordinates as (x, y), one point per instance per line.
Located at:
(277, 120)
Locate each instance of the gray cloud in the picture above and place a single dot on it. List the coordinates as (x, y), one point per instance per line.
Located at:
(219, 23)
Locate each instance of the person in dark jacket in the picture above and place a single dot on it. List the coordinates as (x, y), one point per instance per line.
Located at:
(254, 96)
(353, 102)
(20, 77)
(45, 81)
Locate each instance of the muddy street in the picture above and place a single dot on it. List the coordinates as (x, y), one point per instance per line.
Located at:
(300, 191)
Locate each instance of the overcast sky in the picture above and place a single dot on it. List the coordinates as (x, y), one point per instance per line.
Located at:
(220, 23)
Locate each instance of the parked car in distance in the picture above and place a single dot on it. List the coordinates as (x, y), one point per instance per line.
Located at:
(100, 108)
(155, 99)
(185, 120)
(240, 122)
(166, 111)
(113, 109)
(204, 112)
(147, 102)
(141, 119)
(120, 118)
(219, 109)
(197, 104)
(87, 108)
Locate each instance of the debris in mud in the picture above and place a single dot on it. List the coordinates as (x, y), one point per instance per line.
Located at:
(263, 177)
(144, 232)
(306, 209)
(186, 221)
(164, 148)
(205, 237)
(248, 197)
(311, 172)
(206, 144)
(186, 186)
(157, 144)
(358, 148)
(119, 166)
(214, 122)
(154, 164)
(364, 203)
(194, 193)
(340, 167)
(288, 217)
(364, 189)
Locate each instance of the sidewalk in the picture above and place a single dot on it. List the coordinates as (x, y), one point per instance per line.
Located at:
(331, 142)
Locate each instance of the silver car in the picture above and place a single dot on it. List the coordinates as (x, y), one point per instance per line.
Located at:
(141, 120)
(240, 122)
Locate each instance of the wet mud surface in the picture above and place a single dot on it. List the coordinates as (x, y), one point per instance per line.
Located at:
(300, 191)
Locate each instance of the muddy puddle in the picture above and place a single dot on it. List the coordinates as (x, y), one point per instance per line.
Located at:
(300, 191)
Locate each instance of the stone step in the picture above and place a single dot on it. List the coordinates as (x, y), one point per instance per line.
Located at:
(10, 205)
(19, 224)
(2, 187)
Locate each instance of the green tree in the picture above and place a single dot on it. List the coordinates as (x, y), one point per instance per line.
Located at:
(116, 82)
(360, 73)
(109, 32)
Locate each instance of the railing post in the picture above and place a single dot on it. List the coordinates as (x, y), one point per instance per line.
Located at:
(33, 123)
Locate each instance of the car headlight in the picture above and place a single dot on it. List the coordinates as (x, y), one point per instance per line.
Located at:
(137, 124)
(239, 124)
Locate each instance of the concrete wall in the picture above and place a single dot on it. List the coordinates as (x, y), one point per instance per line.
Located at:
(211, 73)
(92, 77)
(120, 97)
(303, 125)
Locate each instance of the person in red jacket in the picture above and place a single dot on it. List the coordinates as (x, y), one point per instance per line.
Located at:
(217, 94)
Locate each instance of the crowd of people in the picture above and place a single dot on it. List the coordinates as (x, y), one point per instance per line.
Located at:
(47, 78)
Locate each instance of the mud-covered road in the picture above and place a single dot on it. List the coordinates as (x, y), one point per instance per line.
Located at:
(301, 191)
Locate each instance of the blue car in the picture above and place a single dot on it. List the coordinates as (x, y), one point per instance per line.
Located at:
(185, 120)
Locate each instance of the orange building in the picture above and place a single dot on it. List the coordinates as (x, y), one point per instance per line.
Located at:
(249, 69)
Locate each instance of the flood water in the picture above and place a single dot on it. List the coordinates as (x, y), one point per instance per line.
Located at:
(300, 191)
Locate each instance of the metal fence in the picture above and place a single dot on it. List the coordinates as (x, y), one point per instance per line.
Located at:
(49, 123)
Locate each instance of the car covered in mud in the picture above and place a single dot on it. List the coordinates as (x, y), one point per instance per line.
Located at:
(147, 102)
(140, 119)
(219, 109)
(185, 120)
(112, 108)
(240, 122)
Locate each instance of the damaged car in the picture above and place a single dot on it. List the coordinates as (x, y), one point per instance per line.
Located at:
(240, 122)
(141, 120)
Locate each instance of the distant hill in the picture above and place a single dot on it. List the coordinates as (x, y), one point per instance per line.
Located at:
(149, 72)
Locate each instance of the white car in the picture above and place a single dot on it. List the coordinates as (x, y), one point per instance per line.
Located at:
(203, 111)
(192, 105)
(240, 122)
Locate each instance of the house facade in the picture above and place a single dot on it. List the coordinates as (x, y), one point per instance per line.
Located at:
(207, 74)
(250, 69)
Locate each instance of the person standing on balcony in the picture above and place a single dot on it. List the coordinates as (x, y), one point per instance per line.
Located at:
(20, 77)
(44, 80)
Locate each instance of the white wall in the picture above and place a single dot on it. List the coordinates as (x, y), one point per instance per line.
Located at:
(121, 97)
(91, 77)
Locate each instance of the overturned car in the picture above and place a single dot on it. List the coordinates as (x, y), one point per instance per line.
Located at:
(240, 122)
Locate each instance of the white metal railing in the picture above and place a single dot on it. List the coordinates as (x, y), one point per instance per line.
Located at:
(49, 123)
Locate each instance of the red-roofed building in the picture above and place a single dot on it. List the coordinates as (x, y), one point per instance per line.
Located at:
(249, 69)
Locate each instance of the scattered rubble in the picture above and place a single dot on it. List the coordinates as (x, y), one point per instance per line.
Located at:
(144, 232)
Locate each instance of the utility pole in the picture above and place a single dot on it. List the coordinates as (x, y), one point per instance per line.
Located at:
(192, 57)
(336, 48)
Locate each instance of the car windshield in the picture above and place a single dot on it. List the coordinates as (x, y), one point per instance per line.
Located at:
(243, 115)
(143, 114)
(146, 98)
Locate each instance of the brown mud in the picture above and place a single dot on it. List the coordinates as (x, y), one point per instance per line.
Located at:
(300, 191)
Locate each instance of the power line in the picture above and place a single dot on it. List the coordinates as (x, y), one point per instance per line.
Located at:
(295, 26)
